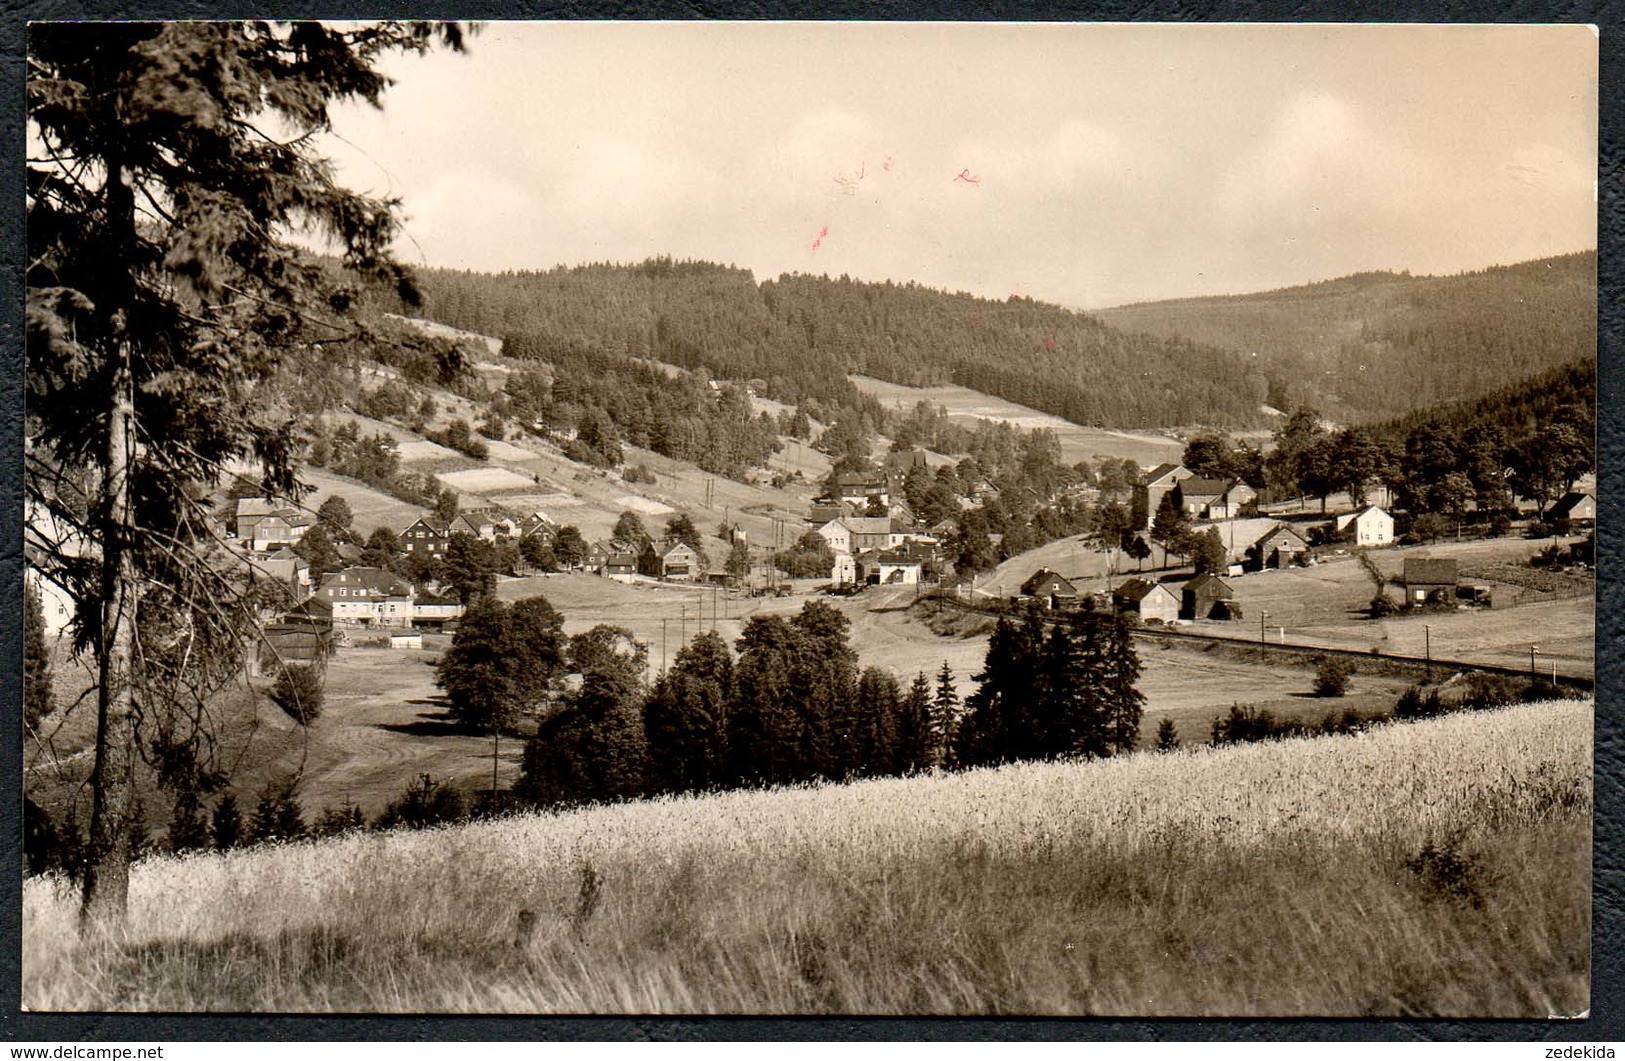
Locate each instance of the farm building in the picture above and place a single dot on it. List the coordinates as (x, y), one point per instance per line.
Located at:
(1152, 487)
(837, 535)
(1577, 508)
(1209, 499)
(612, 558)
(55, 605)
(271, 522)
(889, 567)
(671, 560)
(860, 488)
(284, 567)
(304, 635)
(1208, 596)
(821, 512)
(406, 639)
(537, 522)
(1369, 526)
(1431, 579)
(1049, 587)
(1147, 599)
(1278, 548)
(433, 613)
(484, 523)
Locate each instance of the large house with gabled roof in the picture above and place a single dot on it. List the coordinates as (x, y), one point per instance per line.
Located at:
(427, 536)
(1153, 486)
(367, 596)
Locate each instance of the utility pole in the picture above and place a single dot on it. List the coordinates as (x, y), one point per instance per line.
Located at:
(1427, 647)
(496, 742)
(1533, 651)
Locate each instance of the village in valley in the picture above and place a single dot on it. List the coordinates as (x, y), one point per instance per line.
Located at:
(372, 589)
(785, 629)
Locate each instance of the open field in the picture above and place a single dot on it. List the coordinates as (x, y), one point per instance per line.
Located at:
(1077, 442)
(1326, 604)
(369, 508)
(1280, 879)
(520, 469)
(486, 480)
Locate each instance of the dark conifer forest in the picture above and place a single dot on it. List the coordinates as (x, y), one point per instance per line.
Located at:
(1366, 347)
(1378, 345)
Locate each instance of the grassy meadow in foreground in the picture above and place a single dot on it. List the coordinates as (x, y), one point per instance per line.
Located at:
(1436, 868)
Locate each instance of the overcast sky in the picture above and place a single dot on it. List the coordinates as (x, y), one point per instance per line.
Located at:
(1082, 164)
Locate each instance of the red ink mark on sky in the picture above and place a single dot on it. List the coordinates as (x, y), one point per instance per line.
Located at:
(886, 165)
(965, 176)
(821, 234)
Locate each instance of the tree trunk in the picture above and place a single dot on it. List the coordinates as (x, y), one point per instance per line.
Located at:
(112, 781)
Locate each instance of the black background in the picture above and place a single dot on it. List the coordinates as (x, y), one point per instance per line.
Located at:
(1607, 1020)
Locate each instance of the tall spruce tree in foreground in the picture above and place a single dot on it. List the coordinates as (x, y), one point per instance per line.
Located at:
(996, 723)
(169, 164)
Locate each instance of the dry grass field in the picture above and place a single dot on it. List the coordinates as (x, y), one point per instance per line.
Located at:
(1438, 868)
(1077, 442)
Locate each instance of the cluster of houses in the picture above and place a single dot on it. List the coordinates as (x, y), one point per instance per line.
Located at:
(1425, 581)
(1207, 596)
(1216, 500)
(872, 533)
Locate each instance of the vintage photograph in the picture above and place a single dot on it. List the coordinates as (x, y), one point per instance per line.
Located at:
(810, 518)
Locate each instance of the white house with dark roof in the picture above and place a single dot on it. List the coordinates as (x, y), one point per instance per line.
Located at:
(1369, 526)
(368, 596)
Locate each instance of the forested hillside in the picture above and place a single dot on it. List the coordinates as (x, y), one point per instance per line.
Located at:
(802, 335)
(1517, 409)
(1379, 345)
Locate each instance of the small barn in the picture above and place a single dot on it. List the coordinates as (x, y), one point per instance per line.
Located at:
(1147, 599)
(1577, 508)
(1051, 588)
(1280, 547)
(1428, 578)
(406, 639)
(1207, 596)
(889, 567)
(296, 639)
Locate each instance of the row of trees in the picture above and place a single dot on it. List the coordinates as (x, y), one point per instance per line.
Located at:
(1443, 466)
(787, 703)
